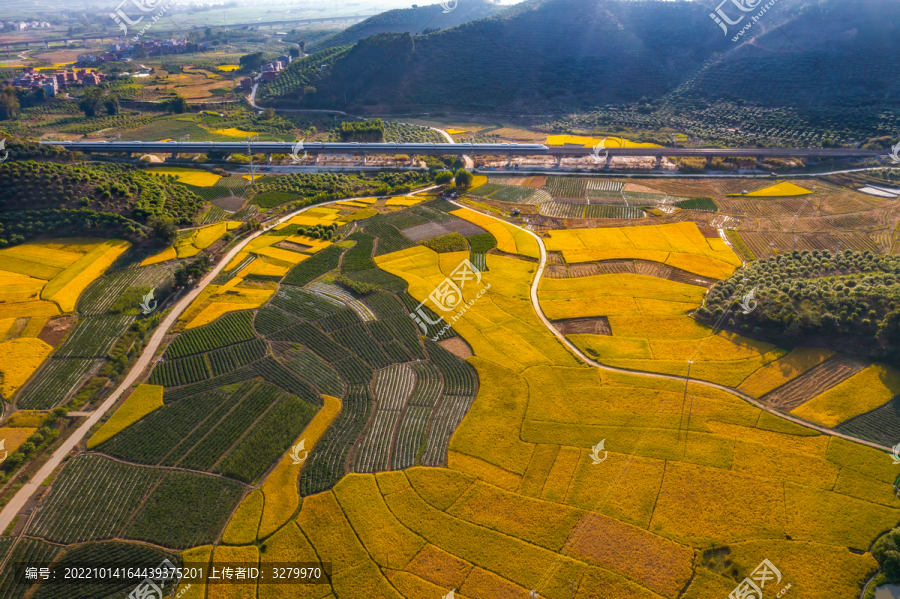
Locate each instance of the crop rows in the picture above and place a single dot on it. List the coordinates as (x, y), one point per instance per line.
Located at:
(55, 381)
(879, 425)
(433, 212)
(354, 370)
(380, 331)
(240, 266)
(304, 303)
(357, 339)
(539, 196)
(207, 451)
(338, 320)
(92, 499)
(510, 193)
(187, 509)
(100, 296)
(429, 384)
(642, 196)
(111, 554)
(93, 336)
(237, 376)
(275, 372)
(432, 329)
(315, 266)
(268, 439)
(231, 328)
(390, 239)
(326, 463)
(314, 339)
(339, 294)
(403, 219)
(229, 358)
(410, 436)
(245, 213)
(374, 447)
(447, 416)
(485, 190)
(383, 305)
(27, 551)
(269, 319)
(318, 372)
(704, 203)
(604, 185)
(359, 257)
(406, 332)
(393, 386)
(214, 215)
(566, 187)
(183, 371)
(562, 210)
(163, 431)
(459, 377)
(612, 211)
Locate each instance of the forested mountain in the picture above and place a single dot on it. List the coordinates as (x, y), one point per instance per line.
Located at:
(563, 56)
(414, 20)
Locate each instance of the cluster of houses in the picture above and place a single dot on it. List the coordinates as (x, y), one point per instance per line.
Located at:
(51, 83)
(268, 72)
(23, 25)
(123, 52)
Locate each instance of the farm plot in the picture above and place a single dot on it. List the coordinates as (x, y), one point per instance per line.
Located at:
(880, 425)
(338, 320)
(165, 433)
(100, 295)
(612, 211)
(213, 215)
(813, 382)
(314, 339)
(277, 373)
(270, 319)
(93, 336)
(485, 190)
(411, 436)
(268, 440)
(358, 340)
(562, 210)
(459, 376)
(604, 185)
(92, 498)
(434, 211)
(373, 452)
(566, 187)
(447, 415)
(315, 266)
(390, 239)
(183, 371)
(303, 303)
(227, 359)
(335, 292)
(55, 382)
(202, 503)
(428, 329)
(230, 329)
(429, 385)
(424, 231)
(384, 305)
(538, 196)
(393, 386)
(354, 370)
(246, 213)
(318, 372)
(326, 462)
(26, 551)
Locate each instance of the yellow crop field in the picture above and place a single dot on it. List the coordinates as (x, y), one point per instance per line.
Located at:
(242, 527)
(608, 142)
(232, 132)
(197, 555)
(190, 176)
(439, 567)
(167, 254)
(478, 181)
(37, 308)
(404, 201)
(857, 395)
(701, 265)
(142, 401)
(352, 204)
(26, 418)
(606, 347)
(784, 188)
(266, 267)
(280, 487)
(782, 371)
(65, 288)
(509, 239)
(288, 256)
(225, 554)
(15, 436)
(228, 67)
(19, 359)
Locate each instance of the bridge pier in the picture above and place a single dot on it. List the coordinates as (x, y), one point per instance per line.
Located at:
(708, 161)
(658, 162)
(47, 45)
(316, 161)
(608, 161)
(67, 43)
(27, 46)
(508, 160)
(174, 155)
(268, 157)
(558, 161)
(759, 160)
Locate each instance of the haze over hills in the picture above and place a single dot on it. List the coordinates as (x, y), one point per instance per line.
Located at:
(561, 56)
(414, 20)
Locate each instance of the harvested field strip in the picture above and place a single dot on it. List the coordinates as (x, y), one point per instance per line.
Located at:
(393, 386)
(326, 464)
(93, 336)
(374, 447)
(450, 411)
(55, 382)
(411, 436)
(813, 382)
(334, 292)
(230, 329)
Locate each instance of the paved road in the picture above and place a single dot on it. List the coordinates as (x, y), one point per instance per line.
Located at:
(28, 489)
(467, 161)
(537, 308)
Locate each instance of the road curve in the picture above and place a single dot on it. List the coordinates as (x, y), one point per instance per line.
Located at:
(540, 313)
(467, 161)
(24, 494)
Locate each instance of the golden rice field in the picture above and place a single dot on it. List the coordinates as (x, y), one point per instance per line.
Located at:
(510, 239)
(228, 67)
(404, 201)
(190, 176)
(232, 132)
(608, 142)
(522, 506)
(217, 300)
(783, 189)
(143, 400)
